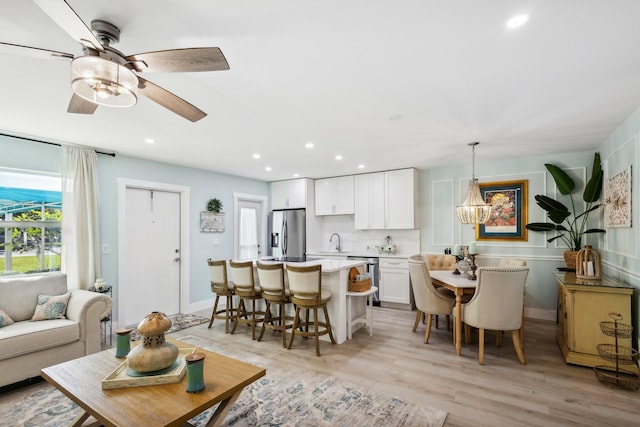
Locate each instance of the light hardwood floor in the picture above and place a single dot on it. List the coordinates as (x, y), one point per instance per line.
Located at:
(545, 392)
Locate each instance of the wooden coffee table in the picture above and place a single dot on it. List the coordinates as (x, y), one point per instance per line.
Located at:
(154, 405)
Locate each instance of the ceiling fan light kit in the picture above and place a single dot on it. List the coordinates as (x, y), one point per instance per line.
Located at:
(105, 76)
(104, 82)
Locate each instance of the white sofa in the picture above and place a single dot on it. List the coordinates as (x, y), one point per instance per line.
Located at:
(27, 346)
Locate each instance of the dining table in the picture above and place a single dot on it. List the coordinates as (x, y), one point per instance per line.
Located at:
(460, 284)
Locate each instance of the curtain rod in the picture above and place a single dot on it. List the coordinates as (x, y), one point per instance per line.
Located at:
(52, 143)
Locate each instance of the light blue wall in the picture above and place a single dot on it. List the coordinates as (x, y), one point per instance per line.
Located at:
(621, 248)
(204, 185)
(442, 189)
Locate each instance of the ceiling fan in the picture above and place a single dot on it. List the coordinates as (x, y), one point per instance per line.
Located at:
(105, 76)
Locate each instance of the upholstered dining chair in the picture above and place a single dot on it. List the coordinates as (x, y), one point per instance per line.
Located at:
(305, 290)
(274, 292)
(513, 262)
(222, 288)
(428, 300)
(497, 305)
(441, 262)
(245, 287)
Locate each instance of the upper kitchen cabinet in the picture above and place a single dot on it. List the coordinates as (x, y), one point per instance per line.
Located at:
(290, 194)
(400, 198)
(386, 200)
(369, 201)
(335, 196)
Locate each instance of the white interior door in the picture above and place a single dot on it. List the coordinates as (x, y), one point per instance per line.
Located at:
(249, 228)
(150, 280)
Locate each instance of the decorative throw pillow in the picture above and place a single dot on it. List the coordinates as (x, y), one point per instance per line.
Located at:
(51, 307)
(5, 320)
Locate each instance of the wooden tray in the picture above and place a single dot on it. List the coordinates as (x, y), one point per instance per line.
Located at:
(120, 379)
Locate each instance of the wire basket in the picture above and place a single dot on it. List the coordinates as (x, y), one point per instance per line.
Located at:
(623, 355)
(620, 377)
(613, 329)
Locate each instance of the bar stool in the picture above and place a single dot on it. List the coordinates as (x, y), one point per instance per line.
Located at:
(245, 287)
(222, 288)
(367, 319)
(305, 290)
(274, 292)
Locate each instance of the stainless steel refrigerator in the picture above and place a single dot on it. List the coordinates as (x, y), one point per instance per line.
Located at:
(287, 234)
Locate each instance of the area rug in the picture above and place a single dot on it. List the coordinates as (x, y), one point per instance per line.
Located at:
(178, 322)
(286, 396)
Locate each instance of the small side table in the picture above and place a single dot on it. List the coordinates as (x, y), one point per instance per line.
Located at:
(367, 319)
(105, 322)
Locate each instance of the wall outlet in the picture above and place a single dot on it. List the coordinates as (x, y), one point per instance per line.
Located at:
(105, 249)
(215, 242)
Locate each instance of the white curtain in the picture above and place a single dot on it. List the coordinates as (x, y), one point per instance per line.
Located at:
(80, 225)
(248, 234)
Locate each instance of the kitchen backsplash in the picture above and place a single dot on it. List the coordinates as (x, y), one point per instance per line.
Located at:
(407, 242)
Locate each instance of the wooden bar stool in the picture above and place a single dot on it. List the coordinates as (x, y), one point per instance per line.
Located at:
(305, 290)
(222, 288)
(244, 286)
(274, 292)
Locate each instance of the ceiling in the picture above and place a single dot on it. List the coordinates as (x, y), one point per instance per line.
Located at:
(385, 83)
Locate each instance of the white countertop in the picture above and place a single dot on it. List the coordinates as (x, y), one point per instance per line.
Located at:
(328, 265)
(359, 254)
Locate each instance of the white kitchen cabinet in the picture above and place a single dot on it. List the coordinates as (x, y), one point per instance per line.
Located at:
(369, 201)
(385, 200)
(395, 289)
(400, 188)
(290, 194)
(335, 196)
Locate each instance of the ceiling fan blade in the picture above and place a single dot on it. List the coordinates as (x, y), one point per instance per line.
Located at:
(79, 105)
(180, 60)
(169, 100)
(60, 12)
(34, 52)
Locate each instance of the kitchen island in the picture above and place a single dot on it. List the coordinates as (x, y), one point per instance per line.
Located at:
(335, 279)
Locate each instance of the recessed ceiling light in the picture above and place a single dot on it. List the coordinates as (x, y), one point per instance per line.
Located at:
(149, 140)
(360, 166)
(256, 155)
(338, 157)
(295, 175)
(517, 21)
(309, 145)
(268, 168)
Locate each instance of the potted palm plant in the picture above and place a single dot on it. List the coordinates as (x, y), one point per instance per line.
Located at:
(570, 224)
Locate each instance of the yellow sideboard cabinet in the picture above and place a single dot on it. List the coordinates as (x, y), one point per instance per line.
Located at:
(582, 305)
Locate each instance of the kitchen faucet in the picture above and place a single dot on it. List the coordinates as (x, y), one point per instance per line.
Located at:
(331, 239)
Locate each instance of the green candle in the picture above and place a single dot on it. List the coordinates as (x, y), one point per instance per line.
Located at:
(123, 342)
(195, 374)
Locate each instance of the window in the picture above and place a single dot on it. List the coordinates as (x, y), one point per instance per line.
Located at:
(30, 221)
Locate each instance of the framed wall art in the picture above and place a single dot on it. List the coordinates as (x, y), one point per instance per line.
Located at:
(617, 208)
(508, 200)
(211, 222)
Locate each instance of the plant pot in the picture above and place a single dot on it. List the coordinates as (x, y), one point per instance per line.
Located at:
(570, 259)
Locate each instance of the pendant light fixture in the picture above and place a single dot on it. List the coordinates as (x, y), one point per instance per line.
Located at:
(474, 210)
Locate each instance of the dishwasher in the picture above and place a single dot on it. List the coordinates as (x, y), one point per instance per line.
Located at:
(371, 267)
